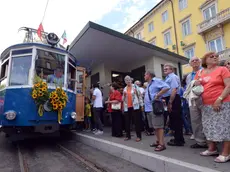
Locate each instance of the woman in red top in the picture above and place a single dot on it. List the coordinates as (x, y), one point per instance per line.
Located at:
(115, 98)
(216, 105)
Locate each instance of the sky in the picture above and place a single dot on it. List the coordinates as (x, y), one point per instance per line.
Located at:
(69, 15)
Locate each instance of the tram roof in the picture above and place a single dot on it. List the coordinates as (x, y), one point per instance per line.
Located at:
(96, 44)
(25, 45)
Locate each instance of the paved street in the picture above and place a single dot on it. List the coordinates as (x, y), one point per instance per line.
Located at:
(50, 155)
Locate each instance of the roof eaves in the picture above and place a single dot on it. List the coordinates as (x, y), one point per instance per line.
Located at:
(125, 37)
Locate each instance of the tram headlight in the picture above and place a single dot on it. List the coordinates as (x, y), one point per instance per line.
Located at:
(74, 115)
(10, 115)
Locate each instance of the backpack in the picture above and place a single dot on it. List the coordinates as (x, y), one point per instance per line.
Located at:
(158, 106)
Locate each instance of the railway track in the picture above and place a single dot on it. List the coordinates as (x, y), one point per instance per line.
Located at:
(91, 167)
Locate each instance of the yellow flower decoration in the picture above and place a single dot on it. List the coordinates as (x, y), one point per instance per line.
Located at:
(55, 106)
(55, 96)
(44, 89)
(40, 94)
(34, 96)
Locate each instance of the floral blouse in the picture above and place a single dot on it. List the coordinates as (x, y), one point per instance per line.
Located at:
(137, 99)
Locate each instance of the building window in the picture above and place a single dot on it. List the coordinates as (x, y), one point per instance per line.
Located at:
(189, 53)
(151, 27)
(164, 16)
(138, 36)
(209, 12)
(216, 45)
(186, 28)
(167, 38)
(183, 4)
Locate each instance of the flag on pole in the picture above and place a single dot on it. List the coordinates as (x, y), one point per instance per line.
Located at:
(40, 30)
(64, 37)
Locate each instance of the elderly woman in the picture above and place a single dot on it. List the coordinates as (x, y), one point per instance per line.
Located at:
(227, 64)
(216, 105)
(133, 103)
(115, 98)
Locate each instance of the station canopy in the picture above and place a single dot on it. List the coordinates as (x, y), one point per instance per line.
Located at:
(96, 44)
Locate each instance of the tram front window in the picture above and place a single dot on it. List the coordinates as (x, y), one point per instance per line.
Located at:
(20, 70)
(50, 67)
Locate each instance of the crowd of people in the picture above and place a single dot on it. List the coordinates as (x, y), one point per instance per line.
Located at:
(199, 104)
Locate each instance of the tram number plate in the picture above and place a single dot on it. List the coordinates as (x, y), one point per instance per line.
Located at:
(46, 128)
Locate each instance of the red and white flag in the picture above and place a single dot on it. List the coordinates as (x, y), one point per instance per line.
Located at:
(40, 30)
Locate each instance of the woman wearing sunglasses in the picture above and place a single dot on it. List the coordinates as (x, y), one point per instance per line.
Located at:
(216, 106)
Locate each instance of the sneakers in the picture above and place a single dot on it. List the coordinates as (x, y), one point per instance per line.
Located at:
(94, 131)
(99, 132)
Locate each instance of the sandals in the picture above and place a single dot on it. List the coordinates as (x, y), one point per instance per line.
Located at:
(222, 159)
(209, 153)
(160, 148)
(138, 139)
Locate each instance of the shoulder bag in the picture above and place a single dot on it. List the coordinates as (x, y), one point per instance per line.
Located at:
(158, 106)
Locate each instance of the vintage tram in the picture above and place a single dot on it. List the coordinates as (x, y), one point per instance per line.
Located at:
(20, 114)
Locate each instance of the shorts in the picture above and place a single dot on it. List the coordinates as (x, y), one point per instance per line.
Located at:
(155, 121)
(87, 119)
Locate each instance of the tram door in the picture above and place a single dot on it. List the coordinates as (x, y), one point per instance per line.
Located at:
(80, 95)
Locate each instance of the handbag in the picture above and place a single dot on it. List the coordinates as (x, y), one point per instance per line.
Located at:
(116, 106)
(199, 89)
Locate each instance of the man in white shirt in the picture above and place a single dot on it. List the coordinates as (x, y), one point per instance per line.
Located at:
(97, 109)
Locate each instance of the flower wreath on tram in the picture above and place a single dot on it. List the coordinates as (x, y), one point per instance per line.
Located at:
(50, 101)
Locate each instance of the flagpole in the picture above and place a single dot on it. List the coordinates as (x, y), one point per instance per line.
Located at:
(45, 10)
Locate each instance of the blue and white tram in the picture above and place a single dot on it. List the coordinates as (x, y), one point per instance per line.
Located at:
(18, 111)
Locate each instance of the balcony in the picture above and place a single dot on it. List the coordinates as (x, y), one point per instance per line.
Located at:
(220, 18)
(224, 55)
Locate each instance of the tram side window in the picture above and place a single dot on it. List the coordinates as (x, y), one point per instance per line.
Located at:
(80, 82)
(50, 67)
(4, 72)
(71, 77)
(19, 73)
